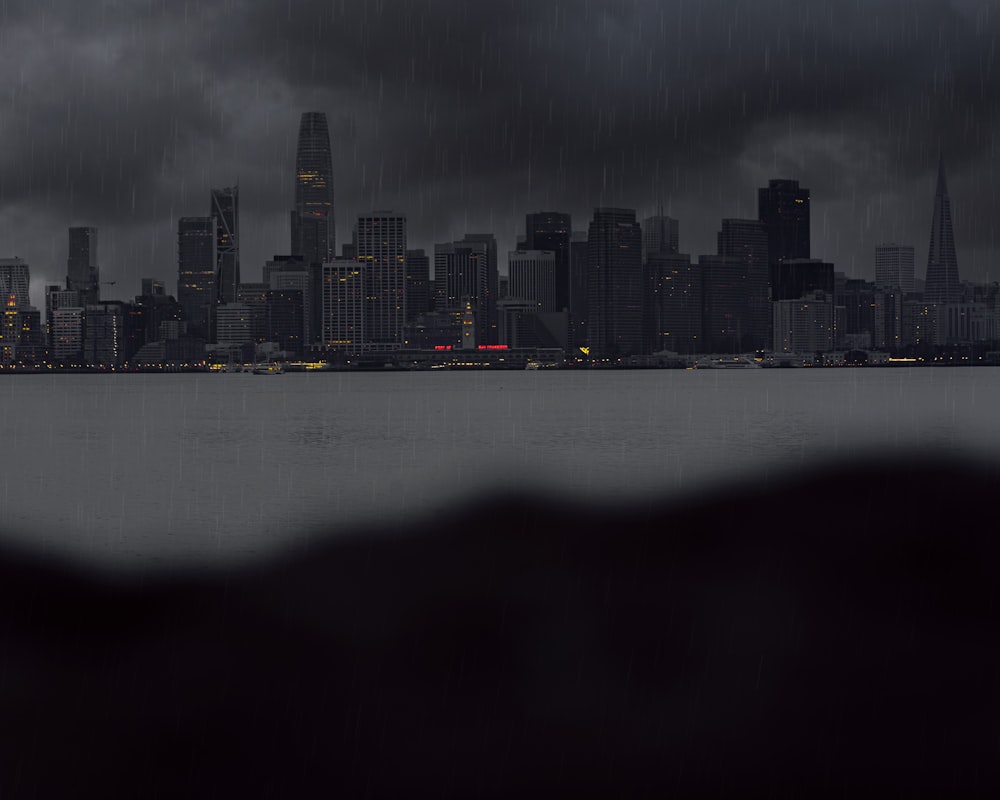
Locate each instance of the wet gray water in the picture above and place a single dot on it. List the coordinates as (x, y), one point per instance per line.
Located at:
(134, 469)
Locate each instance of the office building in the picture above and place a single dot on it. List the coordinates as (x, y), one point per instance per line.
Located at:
(673, 304)
(196, 265)
(381, 247)
(784, 208)
(552, 230)
(82, 270)
(894, 266)
(660, 235)
(15, 280)
(344, 305)
(418, 284)
(225, 209)
(532, 276)
(615, 285)
(313, 225)
(461, 277)
(726, 320)
(746, 239)
(804, 325)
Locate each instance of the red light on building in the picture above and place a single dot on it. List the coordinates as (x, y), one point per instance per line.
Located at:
(442, 347)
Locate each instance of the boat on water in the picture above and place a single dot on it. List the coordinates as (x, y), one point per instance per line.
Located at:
(728, 362)
(268, 369)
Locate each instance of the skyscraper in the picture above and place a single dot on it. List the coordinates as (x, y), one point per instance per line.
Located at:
(660, 235)
(746, 239)
(461, 275)
(418, 284)
(381, 242)
(894, 266)
(226, 210)
(196, 265)
(784, 208)
(313, 229)
(533, 277)
(614, 262)
(82, 272)
(674, 303)
(14, 283)
(551, 230)
(942, 284)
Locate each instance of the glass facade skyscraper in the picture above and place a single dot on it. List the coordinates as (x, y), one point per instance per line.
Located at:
(313, 229)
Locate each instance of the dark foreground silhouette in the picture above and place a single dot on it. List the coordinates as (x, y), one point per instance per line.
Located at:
(833, 635)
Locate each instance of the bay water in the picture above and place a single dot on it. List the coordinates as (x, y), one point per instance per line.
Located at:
(146, 469)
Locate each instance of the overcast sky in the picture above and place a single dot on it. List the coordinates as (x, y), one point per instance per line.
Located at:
(466, 114)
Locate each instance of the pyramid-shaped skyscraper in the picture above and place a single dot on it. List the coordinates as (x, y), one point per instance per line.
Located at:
(942, 285)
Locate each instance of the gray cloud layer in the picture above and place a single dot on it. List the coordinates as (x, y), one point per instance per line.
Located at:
(467, 115)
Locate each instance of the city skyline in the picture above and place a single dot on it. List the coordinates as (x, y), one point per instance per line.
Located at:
(467, 118)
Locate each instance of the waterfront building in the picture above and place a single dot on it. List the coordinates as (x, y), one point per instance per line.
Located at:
(615, 285)
(747, 240)
(726, 320)
(674, 304)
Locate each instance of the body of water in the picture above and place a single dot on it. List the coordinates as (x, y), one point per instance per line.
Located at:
(144, 469)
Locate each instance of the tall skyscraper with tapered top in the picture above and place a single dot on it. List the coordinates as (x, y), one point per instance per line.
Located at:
(942, 285)
(226, 210)
(313, 231)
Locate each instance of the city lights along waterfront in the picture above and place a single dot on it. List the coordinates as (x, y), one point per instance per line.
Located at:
(617, 294)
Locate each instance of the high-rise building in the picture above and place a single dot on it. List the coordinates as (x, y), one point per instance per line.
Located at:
(82, 271)
(726, 316)
(614, 263)
(784, 208)
(461, 276)
(797, 277)
(746, 239)
(104, 334)
(533, 278)
(313, 225)
(196, 264)
(20, 331)
(551, 230)
(578, 289)
(226, 210)
(659, 235)
(381, 243)
(942, 284)
(14, 282)
(344, 306)
(418, 284)
(894, 266)
(492, 282)
(674, 304)
(805, 324)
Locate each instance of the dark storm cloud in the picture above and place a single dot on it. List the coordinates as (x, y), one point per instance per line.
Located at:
(467, 115)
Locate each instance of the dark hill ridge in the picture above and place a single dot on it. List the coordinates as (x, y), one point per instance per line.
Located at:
(832, 635)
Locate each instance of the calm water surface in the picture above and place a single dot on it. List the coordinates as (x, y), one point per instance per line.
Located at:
(142, 469)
